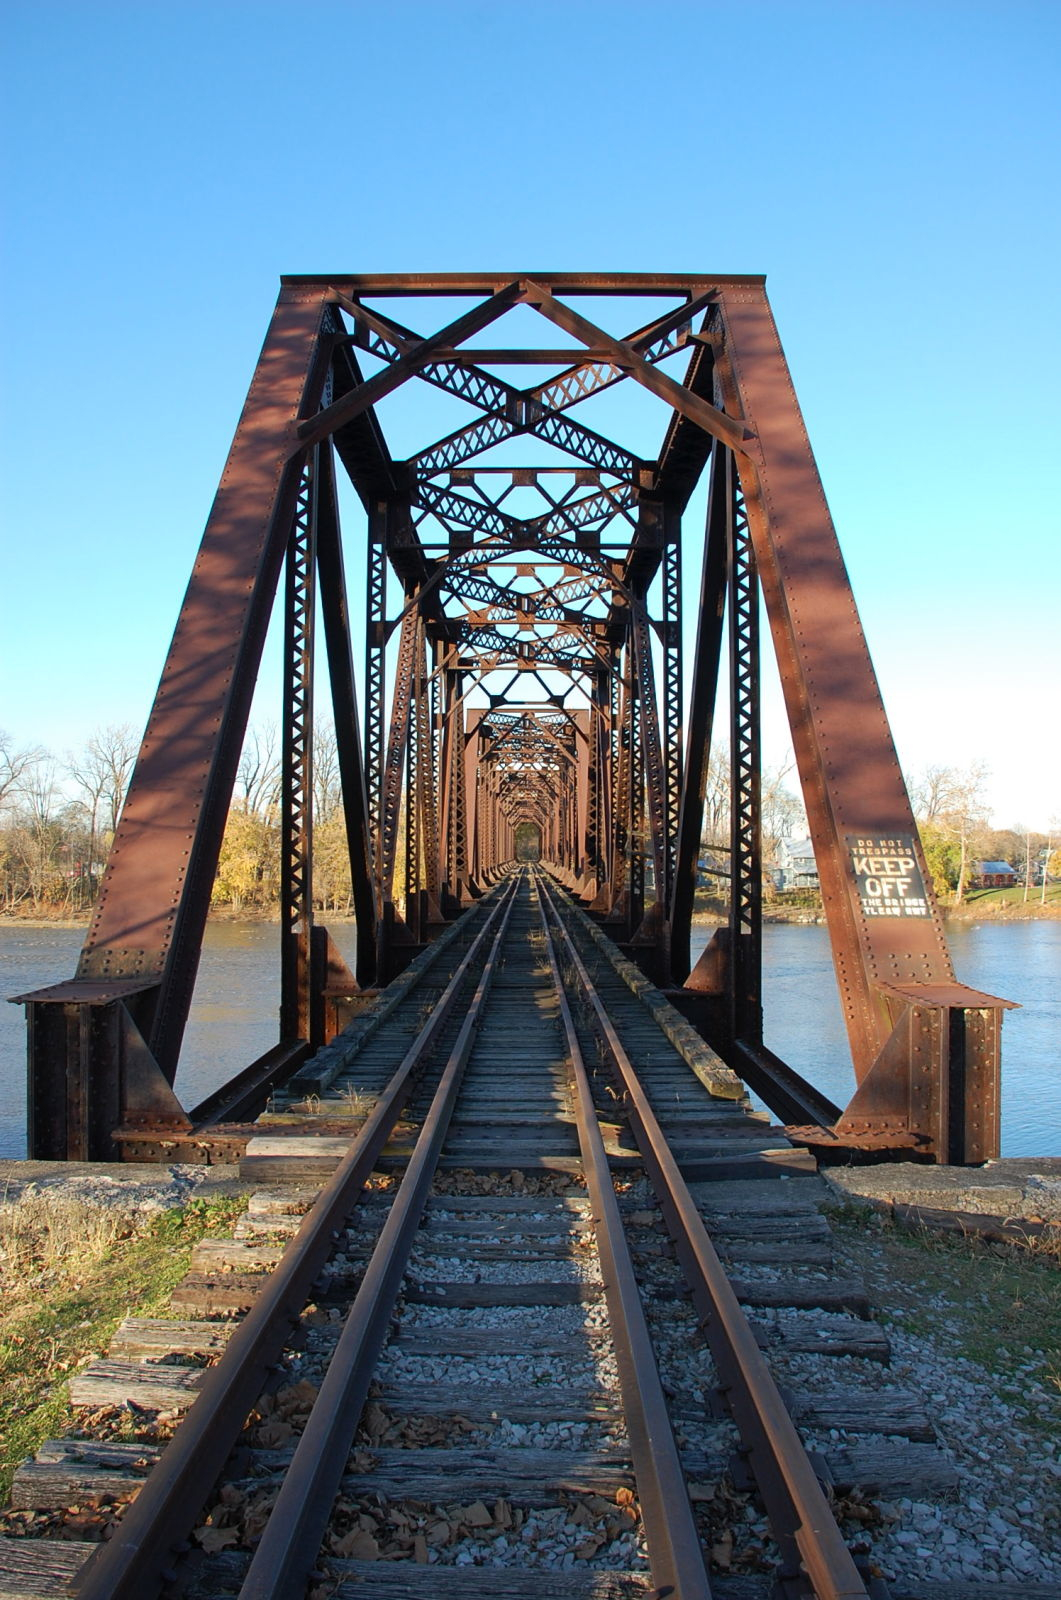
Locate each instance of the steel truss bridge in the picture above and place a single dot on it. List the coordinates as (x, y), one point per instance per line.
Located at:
(522, 686)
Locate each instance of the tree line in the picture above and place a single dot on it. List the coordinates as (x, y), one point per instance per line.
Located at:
(953, 818)
(58, 816)
(57, 819)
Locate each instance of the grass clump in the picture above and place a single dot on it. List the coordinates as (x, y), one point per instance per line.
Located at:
(70, 1271)
(997, 1304)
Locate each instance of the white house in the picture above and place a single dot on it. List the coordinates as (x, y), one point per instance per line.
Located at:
(798, 869)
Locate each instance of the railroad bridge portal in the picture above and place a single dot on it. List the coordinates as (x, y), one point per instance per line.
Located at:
(522, 694)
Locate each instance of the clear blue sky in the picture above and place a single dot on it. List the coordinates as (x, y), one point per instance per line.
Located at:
(892, 168)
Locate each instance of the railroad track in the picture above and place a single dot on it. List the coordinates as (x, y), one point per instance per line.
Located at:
(501, 1322)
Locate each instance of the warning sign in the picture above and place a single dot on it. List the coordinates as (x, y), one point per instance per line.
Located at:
(888, 877)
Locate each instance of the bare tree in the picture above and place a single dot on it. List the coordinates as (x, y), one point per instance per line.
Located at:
(258, 776)
(115, 750)
(100, 774)
(953, 800)
(17, 767)
(327, 789)
(1031, 847)
(38, 836)
(933, 792)
(1055, 829)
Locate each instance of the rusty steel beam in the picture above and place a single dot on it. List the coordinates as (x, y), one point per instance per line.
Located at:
(325, 422)
(335, 614)
(381, 284)
(708, 417)
(703, 690)
(886, 933)
(149, 917)
(296, 784)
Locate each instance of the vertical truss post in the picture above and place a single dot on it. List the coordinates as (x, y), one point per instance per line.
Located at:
(594, 775)
(672, 696)
(496, 820)
(375, 674)
(484, 792)
(606, 736)
(619, 908)
(568, 812)
(650, 754)
(335, 612)
(427, 789)
(391, 929)
(602, 736)
(414, 759)
(472, 784)
(459, 795)
(702, 696)
(635, 794)
(581, 733)
(296, 801)
(746, 881)
(451, 781)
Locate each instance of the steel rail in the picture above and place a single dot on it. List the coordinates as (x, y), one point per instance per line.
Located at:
(800, 1518)
(140, 1556)
(289, 1546)
(674, 1548)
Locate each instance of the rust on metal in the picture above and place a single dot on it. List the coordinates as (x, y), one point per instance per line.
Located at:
(524, 690)
(810, 1543)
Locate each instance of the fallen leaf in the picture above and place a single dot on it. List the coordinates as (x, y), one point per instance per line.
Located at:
(374, 1421)
(274, 1434)
(722, 1553)
(257, 1516)
(296, 1397)
(356, 1546)
(214, 1539)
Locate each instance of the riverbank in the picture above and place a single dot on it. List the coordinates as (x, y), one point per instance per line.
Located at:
(997, 908)
(980, 905)
(271, 918)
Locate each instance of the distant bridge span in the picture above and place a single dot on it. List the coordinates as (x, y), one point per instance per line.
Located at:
(522, 681)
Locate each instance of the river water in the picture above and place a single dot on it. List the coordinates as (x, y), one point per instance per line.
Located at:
(234, 1014)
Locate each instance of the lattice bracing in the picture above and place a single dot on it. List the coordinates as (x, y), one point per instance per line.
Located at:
(524, 680)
